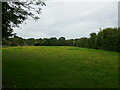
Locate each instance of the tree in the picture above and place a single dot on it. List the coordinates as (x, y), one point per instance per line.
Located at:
(14, 13)
(82, 42)
(45, 42)
(69, 42)
(30, 41)
(17, 41)
(62, 41)
(92, 40)
(53, 41)
(6, 43)
(38, 42)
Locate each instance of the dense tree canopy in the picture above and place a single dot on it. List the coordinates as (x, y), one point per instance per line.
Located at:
(14, 13)
(106, 39)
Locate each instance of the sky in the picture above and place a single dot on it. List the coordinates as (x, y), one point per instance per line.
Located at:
(70, 19)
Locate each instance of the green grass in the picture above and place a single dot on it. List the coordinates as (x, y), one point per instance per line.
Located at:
(59, 67)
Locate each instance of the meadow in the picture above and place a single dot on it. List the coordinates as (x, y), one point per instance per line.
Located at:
(59, 67)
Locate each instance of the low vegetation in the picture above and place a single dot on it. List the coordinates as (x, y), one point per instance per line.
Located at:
(59, 67)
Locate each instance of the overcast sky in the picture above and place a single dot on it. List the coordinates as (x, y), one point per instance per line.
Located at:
(71, 20)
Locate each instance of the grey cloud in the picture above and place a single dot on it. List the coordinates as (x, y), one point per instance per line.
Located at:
(71, 20)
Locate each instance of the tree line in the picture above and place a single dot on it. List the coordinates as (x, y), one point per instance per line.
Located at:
(105, 39)
(15, 13)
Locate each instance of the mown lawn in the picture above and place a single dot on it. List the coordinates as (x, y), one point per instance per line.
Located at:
(59, 67)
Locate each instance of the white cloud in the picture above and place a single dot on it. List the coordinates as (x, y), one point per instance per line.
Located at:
(83, 0)
(71, 19)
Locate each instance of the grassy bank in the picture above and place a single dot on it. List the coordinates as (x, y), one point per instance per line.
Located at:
(59, 67)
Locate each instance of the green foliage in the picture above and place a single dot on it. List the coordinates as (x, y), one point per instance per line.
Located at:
(30, 41)
(14, 13)
(18, 41)
(6, 43)
(62, 41)
(53, 41)
(106, 39)
(70, 42)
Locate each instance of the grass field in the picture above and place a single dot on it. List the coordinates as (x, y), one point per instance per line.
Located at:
(59, 67)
